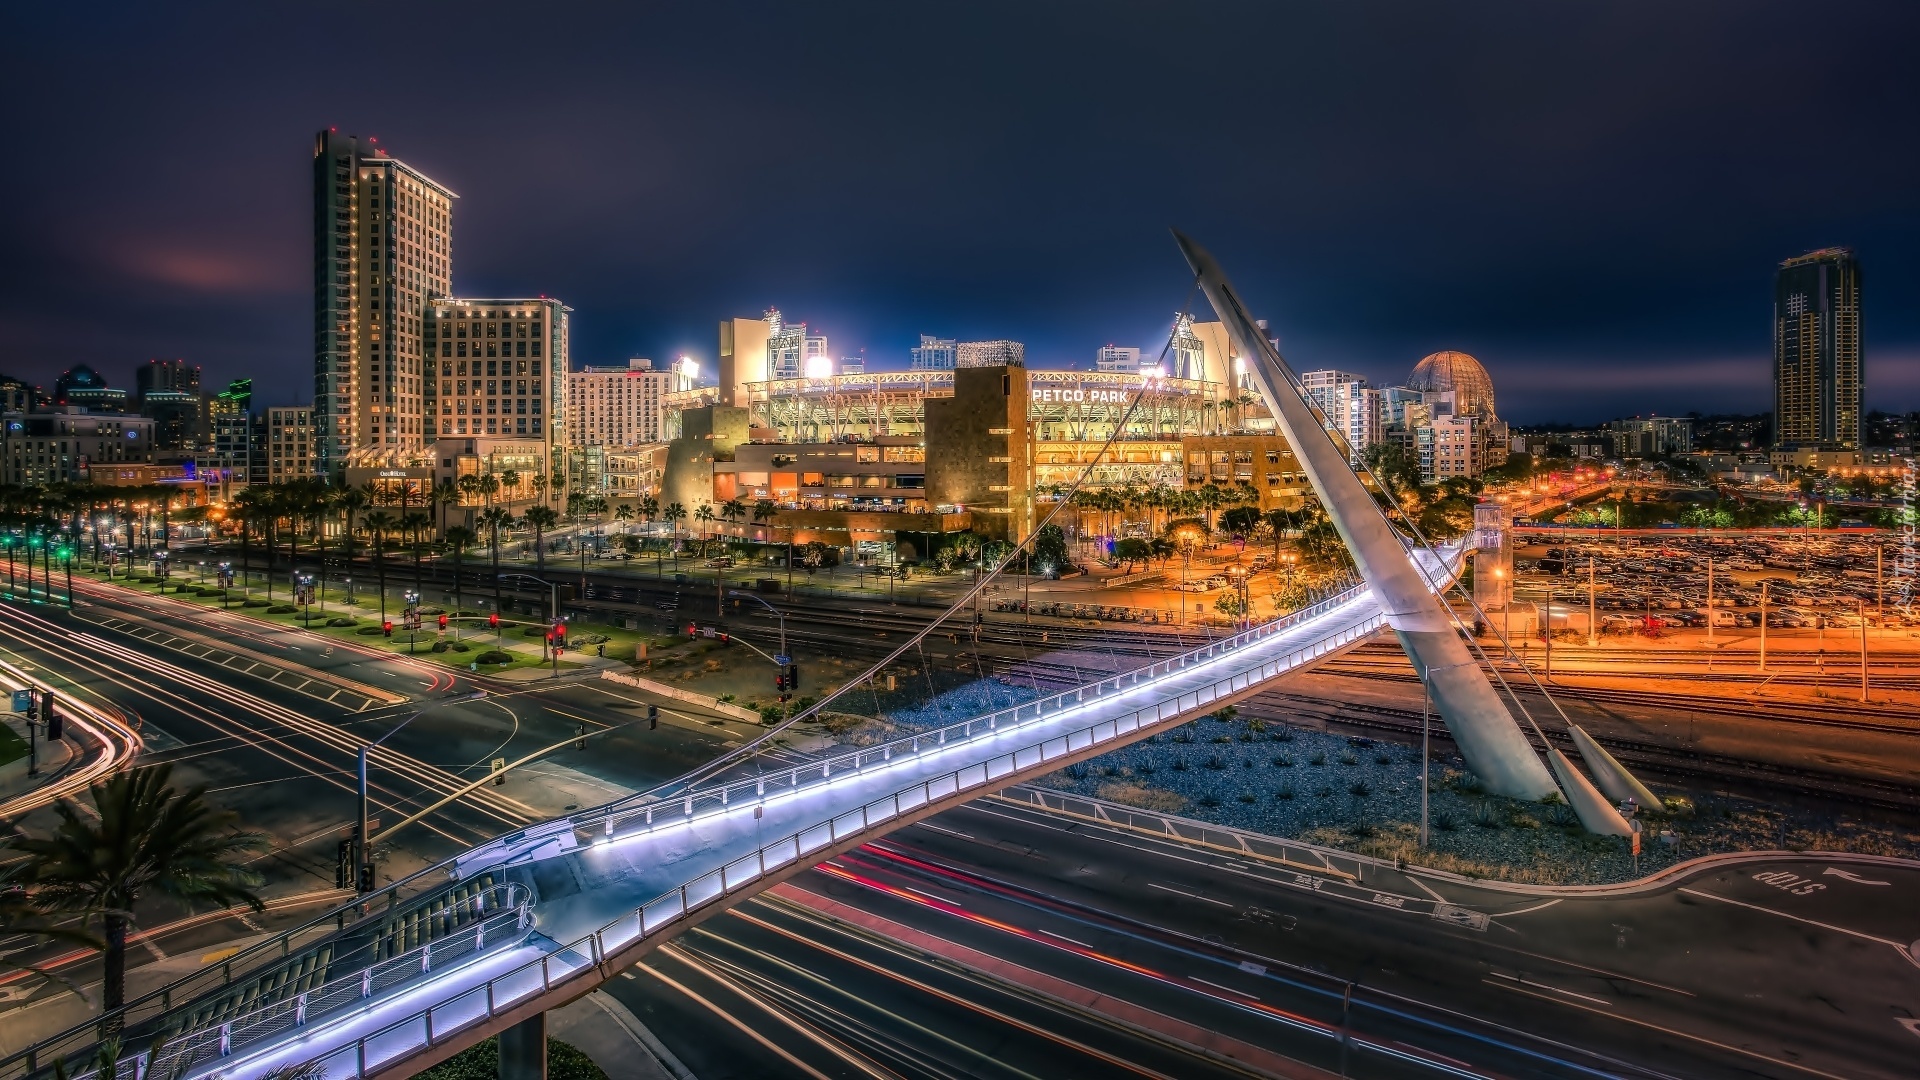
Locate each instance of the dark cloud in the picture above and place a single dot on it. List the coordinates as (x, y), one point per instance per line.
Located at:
(1591, 198)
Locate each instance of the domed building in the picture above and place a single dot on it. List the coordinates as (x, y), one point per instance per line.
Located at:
(1463, 375)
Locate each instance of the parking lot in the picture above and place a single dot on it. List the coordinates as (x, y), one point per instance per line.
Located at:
(1649, 584)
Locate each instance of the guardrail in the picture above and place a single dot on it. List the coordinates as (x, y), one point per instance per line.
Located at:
(436, 1023)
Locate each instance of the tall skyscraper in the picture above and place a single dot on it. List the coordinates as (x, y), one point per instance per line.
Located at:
(166, 375)
(1116, 358)
(1817, 375)
(382, 236)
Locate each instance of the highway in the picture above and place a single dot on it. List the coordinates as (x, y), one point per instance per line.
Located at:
(271, 719)
(1756, 968)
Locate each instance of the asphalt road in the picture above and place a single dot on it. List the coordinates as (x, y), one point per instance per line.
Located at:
(271, 719)
(1788, 969)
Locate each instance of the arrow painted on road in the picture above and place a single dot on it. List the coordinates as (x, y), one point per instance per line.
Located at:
(1848, 875)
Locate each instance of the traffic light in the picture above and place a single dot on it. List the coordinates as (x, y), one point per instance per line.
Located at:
(560, 633)
(386, 628)
(443, 621)
(55, 725)
(493, 621)
(343, 865)
(653, 717)
(793, 676)
(581, 742)
(780, 679)
(366, 877)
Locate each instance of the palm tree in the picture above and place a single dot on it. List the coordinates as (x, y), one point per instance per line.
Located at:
(490, 486)
(675, 514)
(148, 838)
(509, 482)
(623, 514)
(704, 515)
(542, 519)
(379, 524)
(351, 501)
(415, 524)
(459, 539)
(734, 511)
(445, 494)
(470, 489)
(495, 518)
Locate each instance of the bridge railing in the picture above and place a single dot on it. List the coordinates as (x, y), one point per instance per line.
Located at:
(440, 1021)
(715, 798)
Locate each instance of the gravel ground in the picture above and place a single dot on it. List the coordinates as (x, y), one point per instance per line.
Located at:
(1363, 795)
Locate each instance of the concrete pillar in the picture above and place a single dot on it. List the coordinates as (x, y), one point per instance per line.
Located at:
(523, 1050)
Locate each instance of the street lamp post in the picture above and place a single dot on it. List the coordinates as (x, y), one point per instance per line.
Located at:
(785, 659)
(225, 578)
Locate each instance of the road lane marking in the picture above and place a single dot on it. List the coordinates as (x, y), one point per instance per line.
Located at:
(1796, 918)
(1065, 938)
(1526, 910)
(1183, 892)
(1602, 1002)
(949, 832)
(1217, 986)
(1848, 875)
(1422, 886)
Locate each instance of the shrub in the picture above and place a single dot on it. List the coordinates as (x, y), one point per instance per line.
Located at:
(1284, 794)
(1347, 757)
(1145, 769)
(1486, 815)
(1221, 739)
(495, 656)
(1524, 821)
(255, 603)
(459, 646)
(1318, 758)
(1215, 762)
(465, 614)
(1282, 734)
(369, 631)
(1209, 801)
(1443, 821)
(1283, 761)
(1359, 789)
(1383, 758)
(1363, 830)
(482, 1062)
(341, 620)
(282, 609)
(1246, 763)
(1179, 764)
(1246, 736)
(534, 631)
(1076, 772)
(1246, 797)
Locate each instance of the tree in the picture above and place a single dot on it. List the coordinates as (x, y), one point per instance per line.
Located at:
(1397, 470)
(541, 518)
(675, 514)
(379, 524)
(459, 539)
(704, 515)
(1240, 520)
(1132, 550)
(733, 511)
(623, 514)
(149, 838)
(495, 518)
(416, 525)
(1050, 550)
(352, 501)
(509, 482)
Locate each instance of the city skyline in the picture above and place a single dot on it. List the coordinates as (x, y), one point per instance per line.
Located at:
(1351, 275)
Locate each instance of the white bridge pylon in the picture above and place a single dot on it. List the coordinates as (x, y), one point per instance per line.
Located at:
(606, 886)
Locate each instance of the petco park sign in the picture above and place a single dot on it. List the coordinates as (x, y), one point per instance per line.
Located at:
(1074, 395)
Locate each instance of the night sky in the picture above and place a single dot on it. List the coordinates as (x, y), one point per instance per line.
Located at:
(1590, 197)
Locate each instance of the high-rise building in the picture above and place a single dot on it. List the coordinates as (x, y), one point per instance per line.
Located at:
(175, 375)
(382, 235)
(289, 443)
(502, 368)
(1322, 386)
(63, 443)
(617, 406)
(997, 353)
(1116, 358)
(18, 396)
(936, 354)
(1818, 380)
(82, 386)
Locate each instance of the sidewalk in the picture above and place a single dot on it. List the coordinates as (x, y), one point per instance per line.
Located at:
(53, 759)
(608, 1032)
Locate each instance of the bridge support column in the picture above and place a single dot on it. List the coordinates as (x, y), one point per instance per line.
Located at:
(523, 1050)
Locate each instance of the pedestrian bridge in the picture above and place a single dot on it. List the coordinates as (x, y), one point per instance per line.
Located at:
(532, 920)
